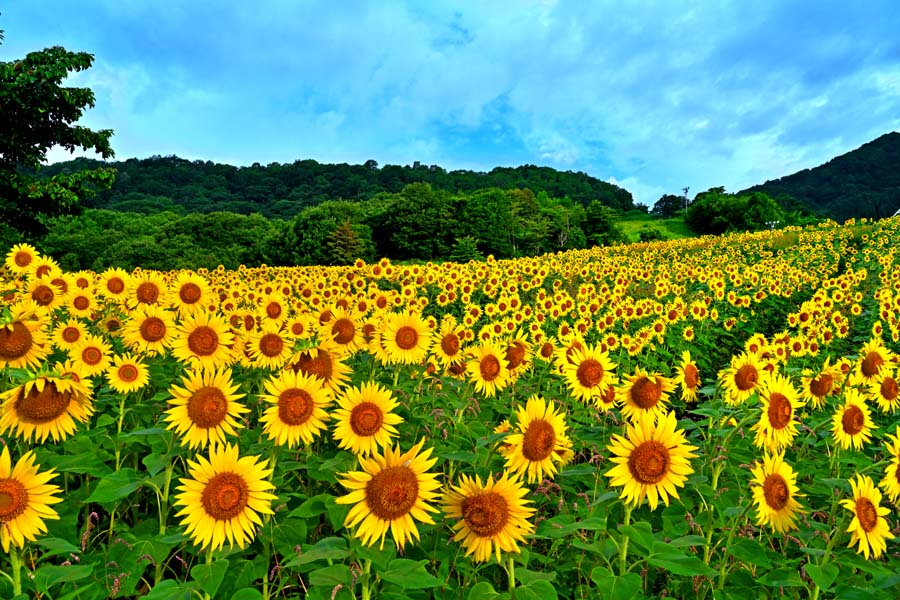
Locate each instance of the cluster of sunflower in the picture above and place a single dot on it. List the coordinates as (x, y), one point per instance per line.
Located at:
(846, 387)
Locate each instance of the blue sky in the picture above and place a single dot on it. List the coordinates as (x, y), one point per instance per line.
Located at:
(653, 96)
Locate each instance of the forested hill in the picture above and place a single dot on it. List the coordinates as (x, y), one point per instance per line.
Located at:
(862, 183)
(284, 190)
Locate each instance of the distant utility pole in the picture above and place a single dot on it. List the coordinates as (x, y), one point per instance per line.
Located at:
(685, 190)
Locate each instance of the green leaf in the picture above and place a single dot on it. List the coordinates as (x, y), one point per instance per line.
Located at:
(332, 576)
(57, 546)
(750, 552)
(330, 548)
(209, 576)
(313, 507)
(169, 589)
(640, 534)
(115, 486)
(822, 576)
(536, 590)
(49, 575)
(409, 574)
(526, 576)
(616, 587)
(482, 590)
(679, 563)
(247, 594)
(783, 577)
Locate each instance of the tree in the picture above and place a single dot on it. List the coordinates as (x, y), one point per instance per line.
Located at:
(668, 206)
(599, 225)
(36, 114)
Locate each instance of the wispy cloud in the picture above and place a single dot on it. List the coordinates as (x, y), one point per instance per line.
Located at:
(655, 96)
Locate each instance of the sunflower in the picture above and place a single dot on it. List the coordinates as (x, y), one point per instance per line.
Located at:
(869, 527)
(20, 258)
(45, 296)
(322, 362)
(518, 354)
(147, 288)
(91, 355)
(873, 358)
(343, 330)
(23, 338)
(775, 493)
(203, 340)
(644, 395)
(651, 460)
(150, 330)
(777, 427)
(206, 409)
(190, 293)
(364, 420)
(46, 406)
(390, 493)
(114, 284)
(127, 374)
(448, 343)
(297, 410)
(268, 348)
(890, 483)
(820, 384)
(742, 378)
(25, 500)
(223, 497)
(852, 423)
(588, 372)
(405, 338)
(487, 368)
(81, 303)
(540, 444)
(273, 308)
(886, 391)
(688, 377)
(493, 516)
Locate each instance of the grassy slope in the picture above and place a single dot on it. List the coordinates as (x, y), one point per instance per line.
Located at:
(672, 229)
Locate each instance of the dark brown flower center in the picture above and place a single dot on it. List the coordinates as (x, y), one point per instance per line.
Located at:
(13, 500)
(115, 285)
(853, 420)
(43, 295)
(70, 334)
(649, 462)
(366, 419)
(867, 514)
(225, 496)
(319, 366)
(147, 293)
(821, 385)
(889, 389)
(691, 376)
(295, 406)
(15, 342)
(486, 514)
(271, 345)
(207, 407)
(746, 378)
(515, 355)
(779, 411)
(274, 310)
(589, 373)
(44, 406)
(91, 355)
(23, 259)
(450, 344)
(128, 373)
(190, 293)
(343, 331)
(203, 341)
(871, 364)
(406, 337)
(776, 491)
(646, 393)
(392, 493)
(489, 366)
(81, 302)
(538, 440)
(153, 329)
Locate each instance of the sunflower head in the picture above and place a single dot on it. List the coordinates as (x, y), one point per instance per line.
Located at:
(25, 500)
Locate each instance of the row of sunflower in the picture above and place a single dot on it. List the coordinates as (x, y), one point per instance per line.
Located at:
(571, 348)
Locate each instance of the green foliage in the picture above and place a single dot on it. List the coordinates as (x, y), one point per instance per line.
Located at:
(669, 206)
(38, 114)
(714, 212)
(465, 249)
(650, 234)
(861, 183)
(600, 225)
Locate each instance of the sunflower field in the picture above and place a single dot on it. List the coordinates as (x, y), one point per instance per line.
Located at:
(705, 418)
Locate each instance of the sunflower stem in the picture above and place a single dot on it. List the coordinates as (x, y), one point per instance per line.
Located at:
(723, 571)
(511, 571)
(623, 549)
(16, 566)
(364, 580)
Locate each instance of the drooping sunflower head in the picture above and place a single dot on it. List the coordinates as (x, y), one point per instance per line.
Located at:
(365, 419)
(540, 445)
(688, 377)
(391, 493)
(223, 496)
(297, 411)
(644, 394)
(206, 409)
(492, 516)
(46, 406)
(652, 459)
(852, 423)
(23, 337)
(775, 493)
(869, 528)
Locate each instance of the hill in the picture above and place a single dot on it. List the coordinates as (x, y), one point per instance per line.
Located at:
(862, 183)
(284, 190)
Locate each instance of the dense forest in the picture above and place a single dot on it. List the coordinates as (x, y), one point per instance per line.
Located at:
(284, 190)
(862, 183)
